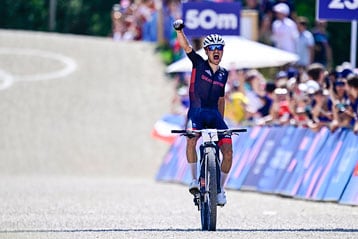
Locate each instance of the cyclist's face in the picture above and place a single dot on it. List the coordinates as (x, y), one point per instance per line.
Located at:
(214, 54)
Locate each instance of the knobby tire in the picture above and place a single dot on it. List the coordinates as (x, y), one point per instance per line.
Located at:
(209, 206)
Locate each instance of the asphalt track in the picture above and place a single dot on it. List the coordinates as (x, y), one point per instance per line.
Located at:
(77, 159)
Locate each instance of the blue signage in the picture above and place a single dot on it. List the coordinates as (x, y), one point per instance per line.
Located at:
(344, 10)
(204, 18)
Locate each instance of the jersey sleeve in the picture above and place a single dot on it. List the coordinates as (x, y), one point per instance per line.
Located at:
(226, 75)
(195, 58)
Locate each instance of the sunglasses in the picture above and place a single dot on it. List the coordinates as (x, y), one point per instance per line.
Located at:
(218, 47)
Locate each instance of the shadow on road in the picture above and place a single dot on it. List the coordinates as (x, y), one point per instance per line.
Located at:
(343, 230)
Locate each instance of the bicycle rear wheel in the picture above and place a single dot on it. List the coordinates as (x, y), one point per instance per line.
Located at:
(209, 202)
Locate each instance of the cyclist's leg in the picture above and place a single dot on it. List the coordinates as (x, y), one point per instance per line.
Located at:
(225, 145)
(191, 154)
(226, 149)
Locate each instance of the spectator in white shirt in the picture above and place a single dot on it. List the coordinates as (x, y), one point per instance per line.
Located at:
(284, 30)
(305, 44)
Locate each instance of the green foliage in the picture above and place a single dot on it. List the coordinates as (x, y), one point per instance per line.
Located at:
(90, 17)
(340, 39)
(26, 15)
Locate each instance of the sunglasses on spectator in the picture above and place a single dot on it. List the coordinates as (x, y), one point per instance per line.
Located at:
(218, 47)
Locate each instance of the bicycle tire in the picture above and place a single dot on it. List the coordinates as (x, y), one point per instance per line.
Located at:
(213, 191)
(209, 206)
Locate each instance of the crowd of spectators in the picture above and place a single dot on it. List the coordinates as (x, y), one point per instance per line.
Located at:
(278, 26)
(309, 93)
(138, 20)
(312, 98)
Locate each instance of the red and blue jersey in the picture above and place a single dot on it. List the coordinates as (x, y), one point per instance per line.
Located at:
(206, 87)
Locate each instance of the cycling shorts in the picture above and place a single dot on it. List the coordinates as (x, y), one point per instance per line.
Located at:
(207, 118)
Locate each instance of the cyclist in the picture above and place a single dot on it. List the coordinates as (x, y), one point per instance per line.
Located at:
(207, 103)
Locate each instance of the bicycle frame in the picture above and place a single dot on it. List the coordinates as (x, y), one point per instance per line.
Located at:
(209, 150)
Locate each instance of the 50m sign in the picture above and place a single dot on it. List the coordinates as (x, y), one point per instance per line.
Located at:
(203, 18)
(341, 10)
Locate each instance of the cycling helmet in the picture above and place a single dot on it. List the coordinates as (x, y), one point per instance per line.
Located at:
(213, 39)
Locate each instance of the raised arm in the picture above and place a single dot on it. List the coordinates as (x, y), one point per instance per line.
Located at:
(183, 41)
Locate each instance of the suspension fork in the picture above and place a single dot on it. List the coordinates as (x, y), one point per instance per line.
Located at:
(204, 169)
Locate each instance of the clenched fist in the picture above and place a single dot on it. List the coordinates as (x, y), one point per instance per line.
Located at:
(178, 24)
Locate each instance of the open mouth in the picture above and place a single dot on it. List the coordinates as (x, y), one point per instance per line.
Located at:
(216, 56)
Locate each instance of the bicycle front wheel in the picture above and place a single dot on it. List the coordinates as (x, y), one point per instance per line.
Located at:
(209, 206)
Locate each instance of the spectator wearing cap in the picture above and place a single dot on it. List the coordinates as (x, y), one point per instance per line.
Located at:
(267, 7)
(281, 79)
(284, 30)
(281, 110)
(344, 70)
(305, 44)
(316, 72)
(321, 109)
(352, 89)
(341, 105)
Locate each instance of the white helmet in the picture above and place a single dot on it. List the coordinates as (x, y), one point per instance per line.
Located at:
(213, 39)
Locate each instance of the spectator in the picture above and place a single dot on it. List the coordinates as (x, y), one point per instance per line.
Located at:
(341, 103)
(170, 12)
(253, 92)
(281, 79)
(267, 99)
(321, 109)
(144, 16)
(123, 27)
(352, 89)
(316, 73)
(298, 98)
(284, 29)
(180, 101)
(280, 111)
(322, 48)
(235, 104)
(305, 46)
(268, 5)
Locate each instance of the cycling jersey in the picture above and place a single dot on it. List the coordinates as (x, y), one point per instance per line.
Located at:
(206, 87)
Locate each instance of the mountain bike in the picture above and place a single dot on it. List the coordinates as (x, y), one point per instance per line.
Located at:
(209, 180)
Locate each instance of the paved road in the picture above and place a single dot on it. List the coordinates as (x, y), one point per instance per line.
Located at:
(89, 207)
(72, 165)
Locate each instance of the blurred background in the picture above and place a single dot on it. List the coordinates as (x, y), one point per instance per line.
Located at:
(96, 18)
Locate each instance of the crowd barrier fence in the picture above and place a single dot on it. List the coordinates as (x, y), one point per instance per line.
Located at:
(290, 161)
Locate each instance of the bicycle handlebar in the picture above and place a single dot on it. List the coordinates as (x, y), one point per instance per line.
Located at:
(187, 132)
